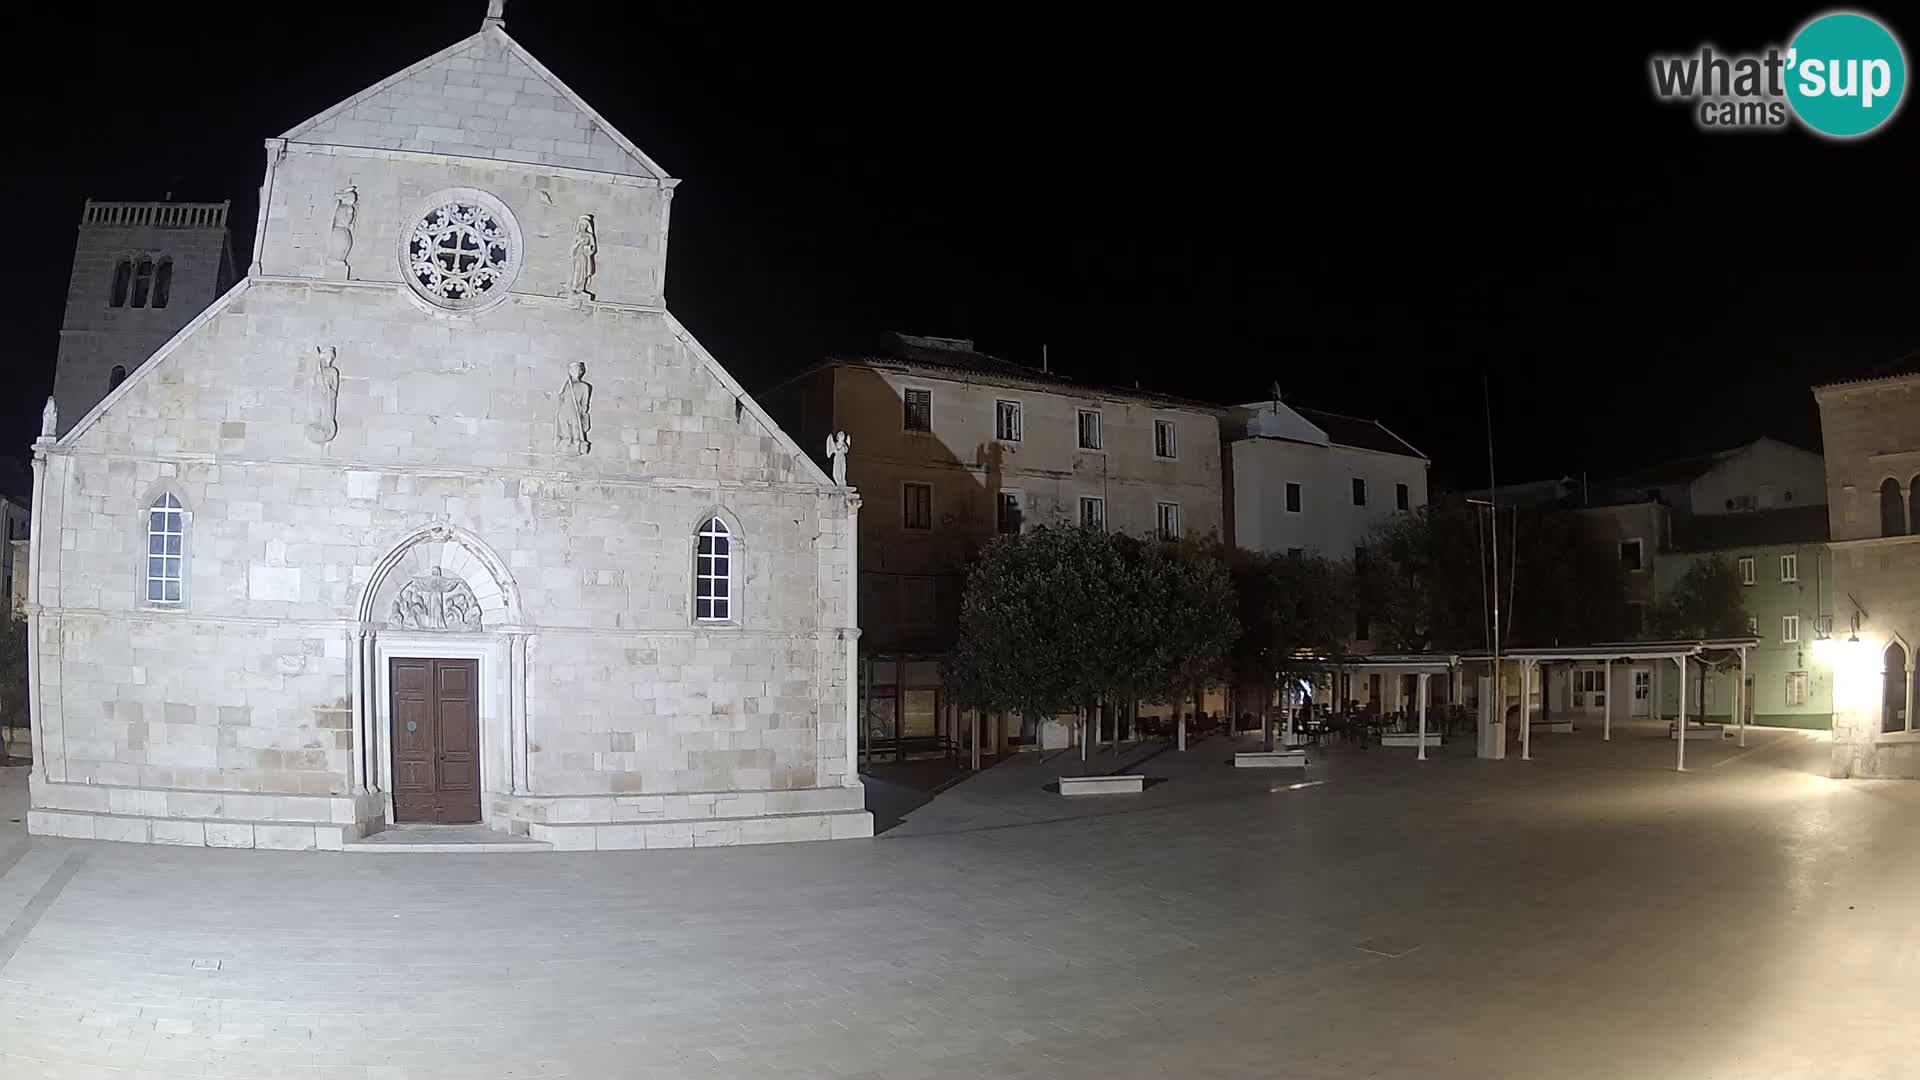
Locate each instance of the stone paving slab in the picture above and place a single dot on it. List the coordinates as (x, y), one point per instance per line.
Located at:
(1587, 914)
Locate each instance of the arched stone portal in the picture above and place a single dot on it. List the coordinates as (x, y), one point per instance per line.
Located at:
(440, 593)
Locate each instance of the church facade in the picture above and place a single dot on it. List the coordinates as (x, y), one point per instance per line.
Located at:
(439, 516)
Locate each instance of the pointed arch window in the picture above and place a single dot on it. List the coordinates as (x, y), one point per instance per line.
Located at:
(166, 550)
(713, 572)
(1896, 712)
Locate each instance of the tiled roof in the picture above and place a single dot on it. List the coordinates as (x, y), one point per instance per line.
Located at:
(959, 356)
(1357, 432)
(1721, 532)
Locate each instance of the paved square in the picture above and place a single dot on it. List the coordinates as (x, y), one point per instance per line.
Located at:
(1588, 914)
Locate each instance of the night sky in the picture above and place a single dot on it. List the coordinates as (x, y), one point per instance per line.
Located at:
(1371, 207)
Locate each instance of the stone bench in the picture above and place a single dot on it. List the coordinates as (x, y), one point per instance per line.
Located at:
(1557, 727)
(1124, 784)
(1271, 759)
(1411, 740)
(1711, 731)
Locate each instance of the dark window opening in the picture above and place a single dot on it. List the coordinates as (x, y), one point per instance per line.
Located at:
(1359, 492)
(1400, 496)
(919, 410)
(1893, 696)
(122, 280)
(163, 283)
(1293, 498)
(115, 377)
(1893, 511)
(142, 282)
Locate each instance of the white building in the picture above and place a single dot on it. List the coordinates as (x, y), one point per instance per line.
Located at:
(439, 515)
(1313, 481)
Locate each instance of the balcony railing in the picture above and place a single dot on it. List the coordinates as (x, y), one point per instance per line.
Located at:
(155, 215)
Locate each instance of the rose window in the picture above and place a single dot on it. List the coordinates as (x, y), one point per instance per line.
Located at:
(460, 253)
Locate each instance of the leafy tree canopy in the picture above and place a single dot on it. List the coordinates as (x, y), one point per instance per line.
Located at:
(1707, 601)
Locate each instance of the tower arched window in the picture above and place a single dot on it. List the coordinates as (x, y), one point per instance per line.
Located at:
(1893, 509)
(142, 281)
(1895, 709)
(115, 377)
(166, 550)
(162, 283)
(713, 597)
(122, 281)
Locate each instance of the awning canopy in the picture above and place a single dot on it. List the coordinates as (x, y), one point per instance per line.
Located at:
(1623, 650)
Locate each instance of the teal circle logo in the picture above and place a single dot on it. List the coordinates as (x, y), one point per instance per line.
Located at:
(1845, 74)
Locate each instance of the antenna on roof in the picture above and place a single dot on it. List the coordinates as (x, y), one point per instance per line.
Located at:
(1276, 395)
(1044, 366)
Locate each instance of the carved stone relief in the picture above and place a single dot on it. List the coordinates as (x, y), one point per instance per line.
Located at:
(435, 601)
(323, 397)
(586, 248)
(573, 419)
(340, 240)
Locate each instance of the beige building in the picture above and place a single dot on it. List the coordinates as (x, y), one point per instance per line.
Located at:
(439, 516)
(951, 446)
(1871, 428)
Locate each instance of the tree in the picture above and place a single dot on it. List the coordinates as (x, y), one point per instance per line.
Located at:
(1567, 585)
(1707, 602)
(1295, 611)
(1057, 620)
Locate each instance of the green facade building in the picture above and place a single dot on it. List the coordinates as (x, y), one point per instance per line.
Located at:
(1787, 576)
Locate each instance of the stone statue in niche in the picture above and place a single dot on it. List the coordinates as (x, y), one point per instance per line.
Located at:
(346, 205)
(323, 397)
(573, 421)
(585, 247)
(838, 444)
(434, 601)
(49, 419)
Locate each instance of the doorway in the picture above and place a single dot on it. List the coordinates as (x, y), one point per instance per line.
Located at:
(435, 708)
(1642, 691)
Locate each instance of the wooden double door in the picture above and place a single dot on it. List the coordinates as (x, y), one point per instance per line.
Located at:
(435, 707)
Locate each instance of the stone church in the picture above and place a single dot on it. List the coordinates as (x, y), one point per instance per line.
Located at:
(438, 516)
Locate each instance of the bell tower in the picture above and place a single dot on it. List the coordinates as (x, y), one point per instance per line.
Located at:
(141, 271)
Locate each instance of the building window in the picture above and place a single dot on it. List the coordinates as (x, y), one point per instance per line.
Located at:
(1093, 512)
(919, 411)
(1632, 555)
(1753, 626)
(163, 283)
(1293, 498)
(1893, 509)
(1089, 429)
(917, 500)
(459, 254)
(115, 377)
(1006, 421)
(1401, 500)
(1168, 515)
(1747, 575)
(1296, 553)
(1796, 688)
(166, 550)
(1894, 712)
(142, 282)
(1010, 515)
(1359, 492)
(1164, 445)
(122, 282)
(917, 602)
(1789, 628)
(713, 572)
(1789, 568)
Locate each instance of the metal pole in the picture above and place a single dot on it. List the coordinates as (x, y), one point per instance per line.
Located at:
(1606, 698)
(1680, 726)
(1526, 718)
(1423, 717)
(974, 740)
(1740, 696)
